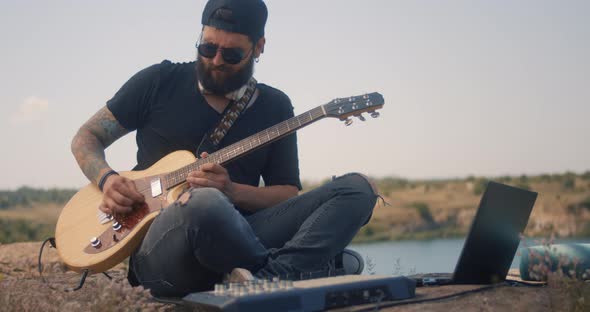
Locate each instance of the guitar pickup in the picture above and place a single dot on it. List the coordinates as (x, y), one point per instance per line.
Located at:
(156, 187)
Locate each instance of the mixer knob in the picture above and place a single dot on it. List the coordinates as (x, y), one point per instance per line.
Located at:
(258, 289)
(234, 291)
(284, 284)
(219, 289)
(233, 286)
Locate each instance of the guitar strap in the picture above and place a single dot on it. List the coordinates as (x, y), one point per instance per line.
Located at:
(210, 141)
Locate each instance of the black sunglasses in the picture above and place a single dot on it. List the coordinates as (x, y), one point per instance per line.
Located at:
(230, 55)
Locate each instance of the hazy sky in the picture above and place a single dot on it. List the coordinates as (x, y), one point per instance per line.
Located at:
(471, 87)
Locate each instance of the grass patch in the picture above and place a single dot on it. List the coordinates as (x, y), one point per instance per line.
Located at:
(20, 230)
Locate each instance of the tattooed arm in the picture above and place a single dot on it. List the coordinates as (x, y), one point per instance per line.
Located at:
(88, 146)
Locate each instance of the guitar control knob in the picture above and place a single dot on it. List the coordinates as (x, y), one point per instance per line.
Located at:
(375, 114)
(348, 122)
(116, 226)
(95, 242)
(110, 217)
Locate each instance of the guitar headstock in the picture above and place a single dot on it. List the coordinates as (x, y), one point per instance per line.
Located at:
(343, 108)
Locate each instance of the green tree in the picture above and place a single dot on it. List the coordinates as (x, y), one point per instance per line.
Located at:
(569, 181)
(423, 211)
(479, 185)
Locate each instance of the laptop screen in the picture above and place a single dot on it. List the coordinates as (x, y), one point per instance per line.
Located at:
(494, 235)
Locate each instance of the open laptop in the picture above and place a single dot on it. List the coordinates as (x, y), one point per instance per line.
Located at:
(492, 240)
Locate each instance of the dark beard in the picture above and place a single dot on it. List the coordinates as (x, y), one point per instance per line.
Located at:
(227, 85)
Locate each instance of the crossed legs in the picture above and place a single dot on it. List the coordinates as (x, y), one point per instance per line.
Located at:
(197, 239)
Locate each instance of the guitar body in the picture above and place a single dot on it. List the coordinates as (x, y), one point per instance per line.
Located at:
(78, 221)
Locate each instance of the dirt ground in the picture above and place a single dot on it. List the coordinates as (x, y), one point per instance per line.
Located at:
(21, 289)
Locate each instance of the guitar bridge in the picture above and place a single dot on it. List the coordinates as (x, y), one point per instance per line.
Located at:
(103, 217)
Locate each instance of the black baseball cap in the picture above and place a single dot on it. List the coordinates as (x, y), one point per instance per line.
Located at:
(246, 17)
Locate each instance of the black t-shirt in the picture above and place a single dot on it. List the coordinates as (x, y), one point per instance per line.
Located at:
(164, 105)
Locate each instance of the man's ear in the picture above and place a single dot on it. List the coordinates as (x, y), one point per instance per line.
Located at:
(259, 47)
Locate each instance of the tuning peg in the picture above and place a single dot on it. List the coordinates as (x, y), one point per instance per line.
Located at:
(361, 117)
(348, 122)
(375, 114)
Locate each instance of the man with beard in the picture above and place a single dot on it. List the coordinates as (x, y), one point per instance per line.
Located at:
(225, 222)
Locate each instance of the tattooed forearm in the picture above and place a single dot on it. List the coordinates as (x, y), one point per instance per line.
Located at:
(105, 127)
(89, 144)
(89, 153)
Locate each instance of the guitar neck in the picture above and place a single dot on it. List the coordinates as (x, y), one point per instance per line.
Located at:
(249, 144)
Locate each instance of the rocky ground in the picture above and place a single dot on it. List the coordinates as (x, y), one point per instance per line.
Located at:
(21, 289)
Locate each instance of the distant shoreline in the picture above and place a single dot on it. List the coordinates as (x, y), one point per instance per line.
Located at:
(409, 209)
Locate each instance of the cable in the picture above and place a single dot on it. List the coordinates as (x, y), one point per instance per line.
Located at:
(516, 283)
(51, 241)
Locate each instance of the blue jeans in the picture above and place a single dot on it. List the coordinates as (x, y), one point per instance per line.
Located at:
(193, 242)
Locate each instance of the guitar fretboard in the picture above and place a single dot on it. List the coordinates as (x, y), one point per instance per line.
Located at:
(238, 149)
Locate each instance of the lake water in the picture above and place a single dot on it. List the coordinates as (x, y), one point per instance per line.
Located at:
(432, 256)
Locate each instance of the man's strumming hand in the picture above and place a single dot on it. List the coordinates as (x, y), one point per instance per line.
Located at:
(119, 195)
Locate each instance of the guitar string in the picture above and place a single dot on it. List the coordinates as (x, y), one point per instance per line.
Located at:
(233, 150)
(253, 141)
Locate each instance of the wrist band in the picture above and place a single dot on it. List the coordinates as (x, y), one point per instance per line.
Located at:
(104, 178)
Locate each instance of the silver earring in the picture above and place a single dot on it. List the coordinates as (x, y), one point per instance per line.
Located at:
(257, 60)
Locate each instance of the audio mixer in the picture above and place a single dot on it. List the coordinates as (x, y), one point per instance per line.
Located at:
(307, 295)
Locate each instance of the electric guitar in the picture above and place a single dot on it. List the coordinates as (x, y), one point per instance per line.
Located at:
(88, 239)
